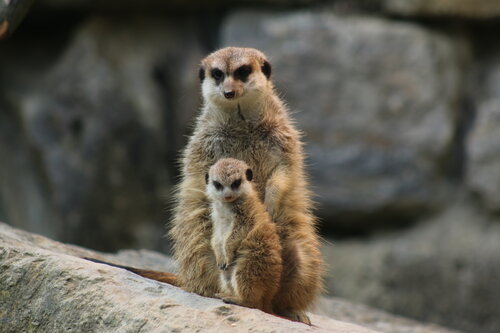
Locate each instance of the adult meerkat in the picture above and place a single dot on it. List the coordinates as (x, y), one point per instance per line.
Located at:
(244, 240)
(243, 118)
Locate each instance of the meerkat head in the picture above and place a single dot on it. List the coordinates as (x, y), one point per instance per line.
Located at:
(232, 74)
(228, 180)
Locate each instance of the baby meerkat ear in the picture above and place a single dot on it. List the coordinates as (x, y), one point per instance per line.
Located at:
(201, 73)
(249, 174)
(206, 178)
(266, 69)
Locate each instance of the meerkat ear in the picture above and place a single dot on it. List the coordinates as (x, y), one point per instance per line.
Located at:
(266, 69)
(201, 73)
(206, 178)
(249, 174)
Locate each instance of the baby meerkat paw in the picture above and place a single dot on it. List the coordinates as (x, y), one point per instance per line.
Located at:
(223, 266)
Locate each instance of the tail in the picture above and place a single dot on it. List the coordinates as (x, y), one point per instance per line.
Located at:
(165, 277)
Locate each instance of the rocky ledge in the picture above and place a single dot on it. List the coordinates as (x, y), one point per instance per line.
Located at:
(47, 287)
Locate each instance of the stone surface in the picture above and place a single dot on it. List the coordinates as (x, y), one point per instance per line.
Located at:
(483, 177)
(11, 15)
(159, 4)
(375, 319)
(375, 99)
(47, 287)
(444, 270)
(476, 9)
(100, 130)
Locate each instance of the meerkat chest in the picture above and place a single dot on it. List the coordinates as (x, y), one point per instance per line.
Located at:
(256, 145)
(223, 220)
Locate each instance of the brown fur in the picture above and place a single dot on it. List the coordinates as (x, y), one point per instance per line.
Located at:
(248, 252)
(254, 127)
(150, 274)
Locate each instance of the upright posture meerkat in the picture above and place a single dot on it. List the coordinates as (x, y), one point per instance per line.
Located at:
(243, 118)
(244, 240)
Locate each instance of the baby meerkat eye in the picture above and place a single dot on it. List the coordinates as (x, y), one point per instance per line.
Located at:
(249, 174)
(242, 72)
(217, 74)
(218, 186)
(236, 184)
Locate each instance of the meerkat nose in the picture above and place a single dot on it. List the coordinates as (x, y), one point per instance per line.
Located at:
(229, 94)
(228, 197)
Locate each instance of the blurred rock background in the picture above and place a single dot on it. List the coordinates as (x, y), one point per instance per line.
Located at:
(399, 101)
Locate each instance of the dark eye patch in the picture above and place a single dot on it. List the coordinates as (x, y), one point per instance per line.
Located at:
(218, 186)
(241, 73)
(249, 174)
(266, 69)
(201, 74)
(217, 74)
(236, 184)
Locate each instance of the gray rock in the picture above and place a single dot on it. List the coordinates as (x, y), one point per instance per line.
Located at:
(46, 287)
(454, 8)
(483, 176)
(100, 130)
(444, 270)
(164, 4)
(375, 100)
(468, 9)
(375, 319)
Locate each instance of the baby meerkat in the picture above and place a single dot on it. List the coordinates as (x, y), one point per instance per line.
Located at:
(244, 240)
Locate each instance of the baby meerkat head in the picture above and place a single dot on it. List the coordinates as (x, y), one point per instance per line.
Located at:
(228, 180)
(232, 74)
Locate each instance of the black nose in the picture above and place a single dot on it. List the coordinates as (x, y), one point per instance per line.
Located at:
(229, 94)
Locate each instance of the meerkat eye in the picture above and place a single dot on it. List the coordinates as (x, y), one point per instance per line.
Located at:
(236, 184)
(218, 186)
(242, 73)
(217, 74)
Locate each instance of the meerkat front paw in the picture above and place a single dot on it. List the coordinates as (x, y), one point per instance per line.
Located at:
(299, 316)
(275, 188)
(221, 261)
(223, 266)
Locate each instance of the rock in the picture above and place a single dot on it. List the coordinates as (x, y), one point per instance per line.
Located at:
(375, 319)
(444, 270)
(476, 9)
(483, 176)
(102, 126)
(47, 287)
(375, 100)
(11, 14)
(162, 4)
